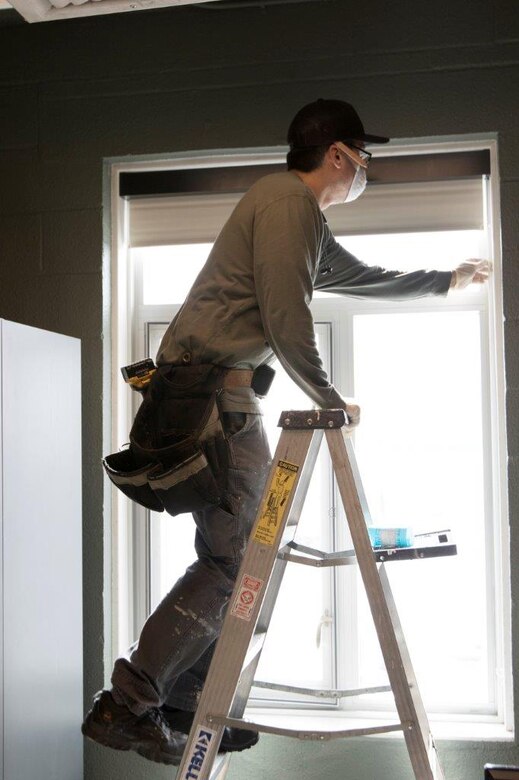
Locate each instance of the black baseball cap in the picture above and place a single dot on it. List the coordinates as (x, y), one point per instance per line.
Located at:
(326, 121)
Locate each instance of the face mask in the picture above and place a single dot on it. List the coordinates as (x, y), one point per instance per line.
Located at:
(358, 185)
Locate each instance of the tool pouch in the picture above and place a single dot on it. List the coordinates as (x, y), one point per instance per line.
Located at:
(132, 479)
(188, 487)
(176, 443)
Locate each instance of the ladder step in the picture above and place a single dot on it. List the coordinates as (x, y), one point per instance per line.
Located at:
(318, 736)
(321, 694)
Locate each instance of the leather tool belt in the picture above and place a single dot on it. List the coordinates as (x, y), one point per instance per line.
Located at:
(177, 446)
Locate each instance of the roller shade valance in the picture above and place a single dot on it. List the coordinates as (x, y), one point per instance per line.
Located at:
(399, 168)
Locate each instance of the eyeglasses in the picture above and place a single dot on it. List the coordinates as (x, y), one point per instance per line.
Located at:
(359, 156)
(363, 154)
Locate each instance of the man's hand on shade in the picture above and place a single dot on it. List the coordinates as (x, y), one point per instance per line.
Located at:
(473, 271)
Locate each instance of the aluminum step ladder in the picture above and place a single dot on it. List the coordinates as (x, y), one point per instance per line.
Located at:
(270, 548)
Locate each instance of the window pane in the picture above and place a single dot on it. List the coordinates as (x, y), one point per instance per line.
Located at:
(169, 271)
(440, 250)
(420, 451)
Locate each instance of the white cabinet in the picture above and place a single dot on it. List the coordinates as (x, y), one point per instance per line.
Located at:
(41, 583)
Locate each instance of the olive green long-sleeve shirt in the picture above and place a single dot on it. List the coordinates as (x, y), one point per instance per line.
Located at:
(251, 299)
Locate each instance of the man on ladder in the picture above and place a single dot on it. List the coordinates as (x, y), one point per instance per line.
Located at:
(200, 421)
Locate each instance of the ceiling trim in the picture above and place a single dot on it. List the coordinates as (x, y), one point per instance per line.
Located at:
(45, 11)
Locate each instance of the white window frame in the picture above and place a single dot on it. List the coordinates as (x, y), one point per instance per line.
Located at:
(120, 603)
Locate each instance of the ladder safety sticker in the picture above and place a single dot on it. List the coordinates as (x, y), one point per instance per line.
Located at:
(199, 753)
(275, 502)
(246, 598)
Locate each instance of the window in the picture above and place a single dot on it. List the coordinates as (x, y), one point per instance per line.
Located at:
(427, 376)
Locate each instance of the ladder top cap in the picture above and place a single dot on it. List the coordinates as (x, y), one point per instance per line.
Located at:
(313, 418)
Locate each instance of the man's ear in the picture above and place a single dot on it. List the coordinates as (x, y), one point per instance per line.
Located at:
(334, 156)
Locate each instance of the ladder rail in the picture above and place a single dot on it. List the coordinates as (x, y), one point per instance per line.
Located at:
(419, 708)
(274, 584)
(299, 450)
(418, 740)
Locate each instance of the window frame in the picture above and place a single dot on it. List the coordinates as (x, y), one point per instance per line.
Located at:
(346, 312)
(121, 607)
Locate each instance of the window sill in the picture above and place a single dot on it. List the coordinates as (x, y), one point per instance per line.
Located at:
(321, 720)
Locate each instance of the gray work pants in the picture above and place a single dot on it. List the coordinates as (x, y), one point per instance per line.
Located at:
(169, 663)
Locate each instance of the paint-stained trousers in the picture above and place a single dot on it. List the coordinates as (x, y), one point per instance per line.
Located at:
(169, 663)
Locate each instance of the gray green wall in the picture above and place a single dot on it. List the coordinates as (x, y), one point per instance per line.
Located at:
(74, 93)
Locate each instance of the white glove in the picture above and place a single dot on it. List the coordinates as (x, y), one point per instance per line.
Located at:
(353, 414)
(470, 271)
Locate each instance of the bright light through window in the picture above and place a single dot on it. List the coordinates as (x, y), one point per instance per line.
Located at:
(169, 271)
(441, 251)
(420, 451)
(437, 250)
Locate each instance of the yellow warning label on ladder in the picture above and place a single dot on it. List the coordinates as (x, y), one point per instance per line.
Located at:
(275, 502)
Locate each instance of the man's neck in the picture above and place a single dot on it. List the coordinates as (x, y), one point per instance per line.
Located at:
(319, 186)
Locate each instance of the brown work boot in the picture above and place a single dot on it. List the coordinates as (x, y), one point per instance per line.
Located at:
(115, 726)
